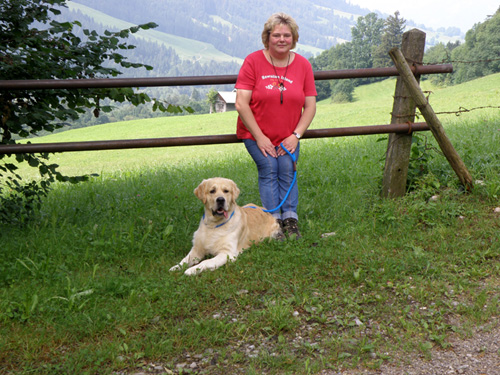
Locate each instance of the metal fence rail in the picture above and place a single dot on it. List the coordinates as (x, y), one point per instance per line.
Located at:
(42, 84)
(39, 84)
(199, 140)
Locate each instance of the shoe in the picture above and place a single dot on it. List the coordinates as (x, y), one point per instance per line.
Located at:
(280, 236)
(291, 228)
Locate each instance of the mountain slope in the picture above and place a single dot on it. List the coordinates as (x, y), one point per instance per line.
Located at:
(234, 27)
(186, 49)
(230, 29)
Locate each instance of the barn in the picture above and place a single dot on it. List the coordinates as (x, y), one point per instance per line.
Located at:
(225, 101)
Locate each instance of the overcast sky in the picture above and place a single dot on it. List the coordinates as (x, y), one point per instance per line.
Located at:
(436, 13)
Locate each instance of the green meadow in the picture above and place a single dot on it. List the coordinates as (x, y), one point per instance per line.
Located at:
(85, 286)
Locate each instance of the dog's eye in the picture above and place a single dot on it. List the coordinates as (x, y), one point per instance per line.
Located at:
(213, 191)
(226, 191)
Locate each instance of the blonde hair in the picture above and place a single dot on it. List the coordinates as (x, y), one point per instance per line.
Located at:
(280, 19)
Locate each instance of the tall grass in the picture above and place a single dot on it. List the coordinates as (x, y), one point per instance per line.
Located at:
(85, 287)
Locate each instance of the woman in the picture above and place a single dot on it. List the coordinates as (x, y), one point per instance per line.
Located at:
(276, 102)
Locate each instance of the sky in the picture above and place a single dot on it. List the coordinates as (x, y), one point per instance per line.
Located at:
(436, 13)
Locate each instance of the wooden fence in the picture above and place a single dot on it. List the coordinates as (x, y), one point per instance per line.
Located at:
(400, 130)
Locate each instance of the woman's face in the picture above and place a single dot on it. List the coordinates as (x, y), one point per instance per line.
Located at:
(280, 40)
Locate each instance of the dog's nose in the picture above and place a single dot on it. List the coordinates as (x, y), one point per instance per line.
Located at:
(220, 200)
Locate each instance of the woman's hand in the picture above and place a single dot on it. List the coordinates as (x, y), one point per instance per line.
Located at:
(266, 147)
(290, 143)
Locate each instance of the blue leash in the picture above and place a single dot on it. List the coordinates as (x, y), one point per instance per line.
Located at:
(294, 159)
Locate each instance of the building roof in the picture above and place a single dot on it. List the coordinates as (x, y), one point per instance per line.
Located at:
(228, 96)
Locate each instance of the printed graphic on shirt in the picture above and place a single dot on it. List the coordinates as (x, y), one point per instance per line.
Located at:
(276, 83)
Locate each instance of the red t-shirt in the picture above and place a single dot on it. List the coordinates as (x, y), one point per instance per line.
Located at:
(277, 121)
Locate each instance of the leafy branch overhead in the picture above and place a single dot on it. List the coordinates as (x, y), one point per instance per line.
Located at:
(34, 46)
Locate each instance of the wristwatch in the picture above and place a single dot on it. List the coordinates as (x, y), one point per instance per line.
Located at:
(297, 135)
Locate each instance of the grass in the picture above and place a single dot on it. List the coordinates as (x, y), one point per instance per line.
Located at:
(85, 287)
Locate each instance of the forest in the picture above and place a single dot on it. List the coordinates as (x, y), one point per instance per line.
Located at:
(482, 46)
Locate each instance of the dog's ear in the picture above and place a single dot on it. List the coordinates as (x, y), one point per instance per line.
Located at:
(200, 191)
(236, 190)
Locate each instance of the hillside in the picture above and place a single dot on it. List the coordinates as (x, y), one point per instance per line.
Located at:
(186, 49)
(232, 28)
(228, 24)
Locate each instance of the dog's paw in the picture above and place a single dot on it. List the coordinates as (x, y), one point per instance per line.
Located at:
(193, 271)
(175, 268)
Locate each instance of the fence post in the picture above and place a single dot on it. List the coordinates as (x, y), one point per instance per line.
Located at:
(403, 111)
(430, 117)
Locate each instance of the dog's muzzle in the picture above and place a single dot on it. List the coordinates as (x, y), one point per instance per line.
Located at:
(220, 209)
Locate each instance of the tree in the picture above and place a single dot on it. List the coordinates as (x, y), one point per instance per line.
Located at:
(336, 58)
(212, 96)
(475, 58)
(351, 55)
(392, 35)
(440, 54)
(318, 63)
(195, 95)
(342, 90)
(366, 35)
(482, 45)
(33, 46)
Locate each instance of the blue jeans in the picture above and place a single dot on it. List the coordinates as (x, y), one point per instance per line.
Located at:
(275, 177)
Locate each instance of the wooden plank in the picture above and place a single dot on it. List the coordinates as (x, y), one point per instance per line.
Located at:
(430, 117)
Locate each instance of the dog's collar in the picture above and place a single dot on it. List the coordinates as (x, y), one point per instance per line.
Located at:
(221, 224)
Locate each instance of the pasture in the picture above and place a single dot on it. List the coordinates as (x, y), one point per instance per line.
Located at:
(85, 287)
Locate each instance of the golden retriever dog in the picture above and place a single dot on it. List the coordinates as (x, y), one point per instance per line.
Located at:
(225, 228)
